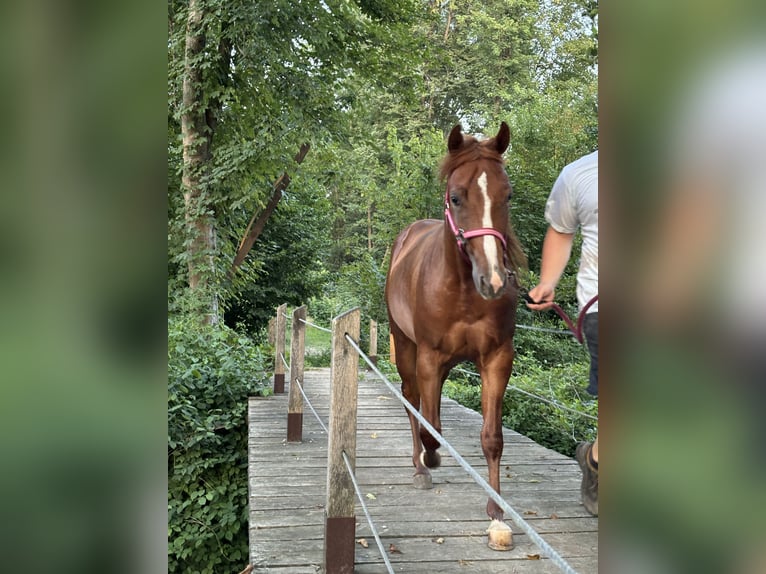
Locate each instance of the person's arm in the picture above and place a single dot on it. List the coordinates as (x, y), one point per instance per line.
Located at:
(557, 247)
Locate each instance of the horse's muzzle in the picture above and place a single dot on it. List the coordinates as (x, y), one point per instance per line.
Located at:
(493, 288)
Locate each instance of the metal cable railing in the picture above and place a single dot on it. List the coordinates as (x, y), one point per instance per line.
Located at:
(309, 323)
(534, 396)
(518, 325)
(545, 330)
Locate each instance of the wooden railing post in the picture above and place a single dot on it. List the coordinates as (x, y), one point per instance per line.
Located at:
(373, 354)
(295, 401)
(340, 521)
(279, 346)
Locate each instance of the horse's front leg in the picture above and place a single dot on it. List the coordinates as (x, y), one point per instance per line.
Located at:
(495, 373)
(431, 375)
(406, 358)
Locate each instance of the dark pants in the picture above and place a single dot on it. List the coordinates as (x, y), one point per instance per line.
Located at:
(590, 329)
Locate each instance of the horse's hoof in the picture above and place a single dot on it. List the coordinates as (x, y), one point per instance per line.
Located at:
(431, 458)
(500, 536)
(422, 482)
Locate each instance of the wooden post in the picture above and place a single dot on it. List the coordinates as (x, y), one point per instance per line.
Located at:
(373, 342)
(295, 402)
(272, 331)
(391, 350)
(340, 521)
(279, 345)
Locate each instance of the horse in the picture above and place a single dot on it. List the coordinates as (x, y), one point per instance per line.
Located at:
(451, 293)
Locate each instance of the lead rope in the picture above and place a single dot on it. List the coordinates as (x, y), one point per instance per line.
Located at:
(576, 329)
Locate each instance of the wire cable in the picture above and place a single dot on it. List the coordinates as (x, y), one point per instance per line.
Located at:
(366, 512)
(310, 324)
(546, 330)
(534, 396)
(308, 402)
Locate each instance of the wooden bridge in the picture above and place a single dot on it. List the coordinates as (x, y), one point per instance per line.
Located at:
(433, 531)
(436, 531)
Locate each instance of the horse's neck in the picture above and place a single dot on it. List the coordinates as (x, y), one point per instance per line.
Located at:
(454, 261)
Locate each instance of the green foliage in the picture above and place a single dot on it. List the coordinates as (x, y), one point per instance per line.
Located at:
(364, 281)
(544, 423)
(318, 357)
(211, 371)
(325, 307)
(273, 76)
(553, 427)
(288, 264)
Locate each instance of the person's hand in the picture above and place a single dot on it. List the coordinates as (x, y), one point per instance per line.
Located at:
(543, 295)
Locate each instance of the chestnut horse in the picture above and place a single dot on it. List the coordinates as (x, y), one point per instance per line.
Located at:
(451, 296)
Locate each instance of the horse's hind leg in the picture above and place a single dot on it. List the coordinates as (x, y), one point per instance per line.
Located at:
(406, 354)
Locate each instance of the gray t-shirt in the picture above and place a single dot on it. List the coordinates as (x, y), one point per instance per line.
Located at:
(573, 203)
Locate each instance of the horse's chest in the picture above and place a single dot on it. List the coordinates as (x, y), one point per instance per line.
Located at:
(471, 338)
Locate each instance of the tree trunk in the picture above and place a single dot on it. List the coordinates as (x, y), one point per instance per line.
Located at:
(196, 135)
(449, 22)
(255, 227)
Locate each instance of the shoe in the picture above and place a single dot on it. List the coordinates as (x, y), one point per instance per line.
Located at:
(589, 485)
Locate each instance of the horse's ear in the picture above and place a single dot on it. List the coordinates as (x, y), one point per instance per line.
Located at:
(455, 138)
(503, 138)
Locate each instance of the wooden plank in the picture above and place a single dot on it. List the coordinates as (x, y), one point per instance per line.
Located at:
(406, 522)
(387, 475)
(415, 550)
(582, 565)
(414, 528)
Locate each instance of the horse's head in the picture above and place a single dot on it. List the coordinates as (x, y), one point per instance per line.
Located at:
(476, 206)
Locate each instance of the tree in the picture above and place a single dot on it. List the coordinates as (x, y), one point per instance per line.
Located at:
(249, 84)
(529, 63)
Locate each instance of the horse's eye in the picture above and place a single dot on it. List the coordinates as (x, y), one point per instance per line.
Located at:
(455, 200)
(510, 196)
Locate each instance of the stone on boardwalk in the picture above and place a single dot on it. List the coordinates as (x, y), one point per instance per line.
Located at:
(434, 531)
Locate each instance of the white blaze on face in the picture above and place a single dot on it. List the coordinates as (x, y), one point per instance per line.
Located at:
(490, 245)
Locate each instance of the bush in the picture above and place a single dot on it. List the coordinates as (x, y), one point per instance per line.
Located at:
(318, 358)
(211, 372)
(544, 423)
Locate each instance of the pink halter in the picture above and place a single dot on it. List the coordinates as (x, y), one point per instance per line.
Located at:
(462, 235)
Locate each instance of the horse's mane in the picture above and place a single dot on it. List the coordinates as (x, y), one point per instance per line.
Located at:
(473, 150)
(515, 251)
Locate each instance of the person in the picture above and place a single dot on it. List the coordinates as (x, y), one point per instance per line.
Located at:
(573, 204)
